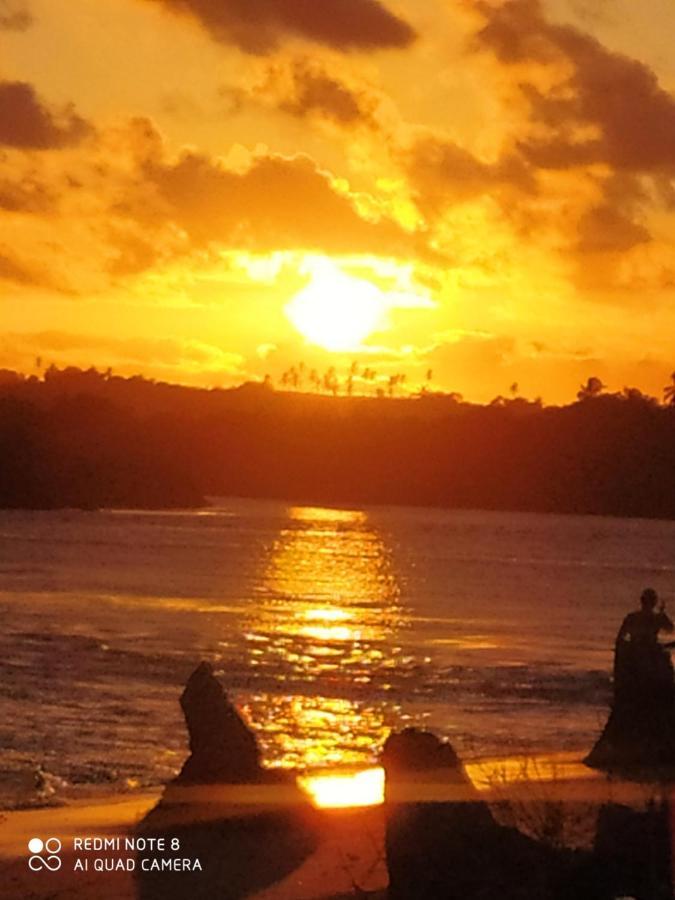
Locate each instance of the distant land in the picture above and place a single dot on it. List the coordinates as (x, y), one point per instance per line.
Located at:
(89, 439)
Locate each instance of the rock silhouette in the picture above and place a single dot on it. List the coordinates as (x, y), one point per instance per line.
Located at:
(247, 826)
(442, 842)
(639, 737)
(632, 850)
(222, 748)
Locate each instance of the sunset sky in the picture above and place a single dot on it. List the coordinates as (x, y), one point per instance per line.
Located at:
(206, 191)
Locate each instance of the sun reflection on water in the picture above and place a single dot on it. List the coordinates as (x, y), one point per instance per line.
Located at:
(302, 732)
(323, 644)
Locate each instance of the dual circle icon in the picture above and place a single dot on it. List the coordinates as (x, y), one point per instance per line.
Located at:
(44, 854)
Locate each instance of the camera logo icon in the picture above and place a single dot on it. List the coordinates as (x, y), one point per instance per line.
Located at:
(44, 854)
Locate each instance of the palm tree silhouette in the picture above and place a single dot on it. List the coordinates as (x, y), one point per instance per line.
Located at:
(669, 391)
(593, 388)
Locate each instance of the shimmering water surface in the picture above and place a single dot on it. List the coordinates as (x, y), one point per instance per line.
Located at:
(328, 626)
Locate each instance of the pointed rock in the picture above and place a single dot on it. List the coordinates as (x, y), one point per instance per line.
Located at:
(223, 749)
(247, 826)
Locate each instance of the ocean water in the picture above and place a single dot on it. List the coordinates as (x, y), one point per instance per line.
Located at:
(327, 626)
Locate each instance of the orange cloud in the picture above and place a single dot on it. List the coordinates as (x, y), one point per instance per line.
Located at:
(22, 273)
(12, 270)
(277, 203)
(26, 194)
(181, 360)
(14, 16)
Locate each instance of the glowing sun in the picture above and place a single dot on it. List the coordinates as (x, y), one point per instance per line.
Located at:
(335, 310)
(338, 790)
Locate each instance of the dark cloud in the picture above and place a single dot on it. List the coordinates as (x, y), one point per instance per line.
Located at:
(258, 26)
(314, 91)
(14, 16)
(25, 123)
(514, 31)
(620, 97)
(278, 203)
(605, 229)
(605, 113)
(307, 88)
(443, 173)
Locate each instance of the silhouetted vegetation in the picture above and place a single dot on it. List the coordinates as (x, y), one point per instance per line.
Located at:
(357, 379)
(669, 391)
(74, 440)
(85, 438)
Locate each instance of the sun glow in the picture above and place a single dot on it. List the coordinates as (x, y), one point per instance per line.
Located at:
(337, 311)
(338, 791)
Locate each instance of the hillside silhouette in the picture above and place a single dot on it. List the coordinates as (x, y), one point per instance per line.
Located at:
(91, 439)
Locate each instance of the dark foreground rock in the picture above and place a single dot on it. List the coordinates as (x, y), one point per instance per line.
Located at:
(246, 826)
(442, 842)
(632, 850)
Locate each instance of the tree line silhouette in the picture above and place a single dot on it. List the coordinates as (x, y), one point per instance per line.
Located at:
(358, 380)
(92, 439)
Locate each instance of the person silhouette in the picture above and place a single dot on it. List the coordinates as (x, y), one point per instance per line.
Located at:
(643, 671)
(640, 731)
(641, 628)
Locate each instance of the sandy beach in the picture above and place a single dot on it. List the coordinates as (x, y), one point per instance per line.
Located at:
(350, 853)
(109, 817)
